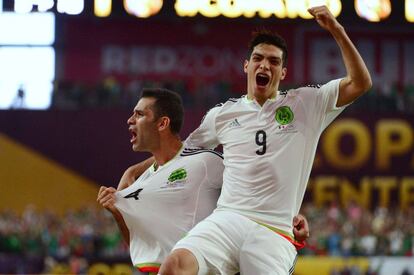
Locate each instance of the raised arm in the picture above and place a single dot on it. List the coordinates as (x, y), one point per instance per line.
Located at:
(358, 80)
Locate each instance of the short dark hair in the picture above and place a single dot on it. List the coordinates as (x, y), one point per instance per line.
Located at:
(267, 37)
(167, 103)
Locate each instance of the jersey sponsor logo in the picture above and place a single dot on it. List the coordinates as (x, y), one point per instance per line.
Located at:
(176, 179)
(234, 123)
(284, 115)
(134, 194)
(178, 174)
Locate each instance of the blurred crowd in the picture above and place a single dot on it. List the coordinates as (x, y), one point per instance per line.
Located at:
(86, 232)
(114, 95)
(92, 233)
(201, 94)
(83, 234)
(355, 231)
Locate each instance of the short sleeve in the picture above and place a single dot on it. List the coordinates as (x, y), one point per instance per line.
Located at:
(214, 169)
(205, 135)
(329, 93)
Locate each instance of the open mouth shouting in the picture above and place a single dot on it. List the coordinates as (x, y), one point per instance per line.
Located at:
(262, 79)
(133, 135)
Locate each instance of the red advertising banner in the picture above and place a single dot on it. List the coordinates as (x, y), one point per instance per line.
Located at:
(182, 50)
(388, 53)
(209, 50)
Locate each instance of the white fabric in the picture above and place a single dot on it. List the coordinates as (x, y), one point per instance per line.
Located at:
(225, 241)
(165, 210)
(268, 188)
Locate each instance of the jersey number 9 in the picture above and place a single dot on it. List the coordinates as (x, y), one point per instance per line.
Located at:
(261, 141)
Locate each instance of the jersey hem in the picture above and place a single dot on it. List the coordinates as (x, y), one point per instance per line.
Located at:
(286, 235)
(148, 267)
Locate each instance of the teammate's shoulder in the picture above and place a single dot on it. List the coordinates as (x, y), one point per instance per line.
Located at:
(230, 102)
(284, 93)
(316, 86)
(187, 152)
(309, 87)
(301, 89)
(224, 107)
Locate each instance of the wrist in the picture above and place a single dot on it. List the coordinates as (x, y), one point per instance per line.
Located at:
(337, 30)
(114, 211)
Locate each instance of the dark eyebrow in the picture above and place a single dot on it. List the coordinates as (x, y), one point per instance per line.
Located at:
(275, 58)
(138, 111)
(258, 55)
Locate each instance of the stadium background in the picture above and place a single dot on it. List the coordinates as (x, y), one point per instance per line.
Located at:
(53, 159)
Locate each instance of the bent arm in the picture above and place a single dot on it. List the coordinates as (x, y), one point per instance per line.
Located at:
(121, 225)
(106, 198)
(358, 80)
(133, 172)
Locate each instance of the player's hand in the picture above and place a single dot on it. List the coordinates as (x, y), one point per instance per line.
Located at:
(300, 228)
(106, 198)
(324, 18)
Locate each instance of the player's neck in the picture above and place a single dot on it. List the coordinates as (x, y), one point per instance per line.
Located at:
(168, 149)
(261, 100)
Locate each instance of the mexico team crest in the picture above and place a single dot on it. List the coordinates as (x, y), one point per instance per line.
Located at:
(284, 115)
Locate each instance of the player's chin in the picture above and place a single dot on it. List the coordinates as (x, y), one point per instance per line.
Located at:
(262, 90)
(135, 147)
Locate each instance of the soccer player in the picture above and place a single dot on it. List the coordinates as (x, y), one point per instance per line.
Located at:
(269, 142)
(176, 192)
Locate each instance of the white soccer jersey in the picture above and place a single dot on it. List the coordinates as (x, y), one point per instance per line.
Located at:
(163, 205)
(268, 150)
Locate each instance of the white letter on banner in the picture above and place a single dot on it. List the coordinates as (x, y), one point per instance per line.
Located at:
(409, 10)
(165, 60)
(186, 7)
(23, 6)
(72, 7)
(102, 8)
(113, 59)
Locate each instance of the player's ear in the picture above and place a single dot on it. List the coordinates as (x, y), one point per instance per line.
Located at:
(284, 73)
(246, 63)
(163, 123)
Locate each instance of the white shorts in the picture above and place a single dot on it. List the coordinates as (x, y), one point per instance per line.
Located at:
(227, 243)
